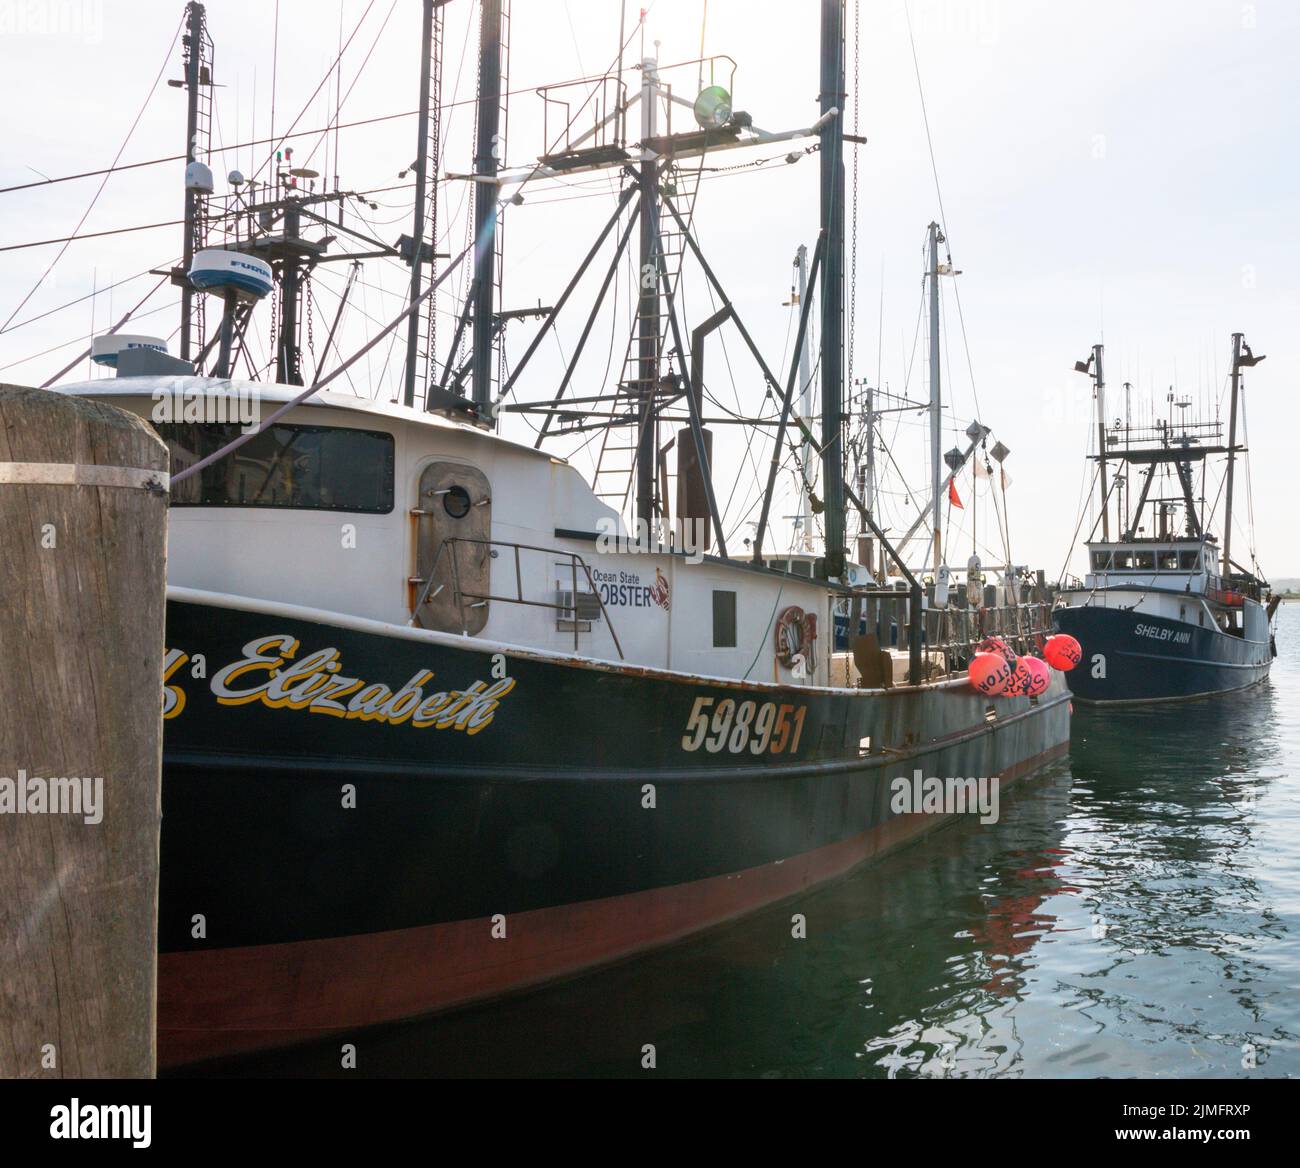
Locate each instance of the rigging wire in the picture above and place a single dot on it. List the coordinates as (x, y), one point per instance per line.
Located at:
(278, 142)
(943, 215)
(69, 304)
(81, 339)
(340, 102)
(95, 198)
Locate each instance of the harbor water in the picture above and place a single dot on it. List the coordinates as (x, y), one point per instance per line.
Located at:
(1134, 913)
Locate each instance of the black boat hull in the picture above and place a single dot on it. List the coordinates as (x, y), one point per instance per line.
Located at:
(1132, 656)
(325, 869)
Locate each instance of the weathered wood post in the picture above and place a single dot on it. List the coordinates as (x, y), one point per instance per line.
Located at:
(83, 513)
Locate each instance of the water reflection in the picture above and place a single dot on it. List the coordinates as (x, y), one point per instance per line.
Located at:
(1135, 913)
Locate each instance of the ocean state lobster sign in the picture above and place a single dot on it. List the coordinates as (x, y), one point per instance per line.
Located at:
(796, 641)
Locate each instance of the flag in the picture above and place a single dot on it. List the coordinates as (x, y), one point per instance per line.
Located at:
(953, 497)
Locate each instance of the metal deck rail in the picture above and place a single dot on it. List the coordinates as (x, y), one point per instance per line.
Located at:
(567, 611)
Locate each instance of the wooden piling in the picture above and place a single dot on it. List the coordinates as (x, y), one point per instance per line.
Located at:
(83, 512)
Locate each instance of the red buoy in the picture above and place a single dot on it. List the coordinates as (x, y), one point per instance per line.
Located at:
(1062, 652)
(989, 673)
(997, 645)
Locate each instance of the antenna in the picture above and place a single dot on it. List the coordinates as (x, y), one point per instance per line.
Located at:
(427, 162)
(198, 178)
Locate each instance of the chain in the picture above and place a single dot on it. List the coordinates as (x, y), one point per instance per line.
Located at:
(789, 158)
(311, 337)
(275, 315)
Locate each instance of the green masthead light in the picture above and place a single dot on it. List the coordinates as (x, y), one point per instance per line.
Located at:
(713, 108)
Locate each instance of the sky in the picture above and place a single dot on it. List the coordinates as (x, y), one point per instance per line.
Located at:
(1109, 171)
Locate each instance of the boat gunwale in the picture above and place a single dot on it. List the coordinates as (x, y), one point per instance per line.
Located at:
(484, 646)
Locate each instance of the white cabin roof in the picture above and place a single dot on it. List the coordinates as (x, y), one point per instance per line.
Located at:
(173, 385)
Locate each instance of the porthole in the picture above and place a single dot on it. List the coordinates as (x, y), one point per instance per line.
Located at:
(456, 502)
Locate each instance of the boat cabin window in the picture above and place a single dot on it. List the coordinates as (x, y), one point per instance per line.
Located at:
(1144, 561)
(310, 468)
(724, 619)
(1189, 561)
(1101, 561)
(1123, 560)
(1168, 560)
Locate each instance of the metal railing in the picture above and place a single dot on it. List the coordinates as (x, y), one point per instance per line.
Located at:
(480, 599)
(957, 631)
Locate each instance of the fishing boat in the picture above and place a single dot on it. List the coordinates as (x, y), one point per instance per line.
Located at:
(1165, 612)
(443, 721)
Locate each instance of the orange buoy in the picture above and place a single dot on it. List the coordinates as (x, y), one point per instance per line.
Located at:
(1062, 652)
(989, 673)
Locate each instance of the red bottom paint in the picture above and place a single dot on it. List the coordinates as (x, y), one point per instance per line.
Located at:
(227, 1001)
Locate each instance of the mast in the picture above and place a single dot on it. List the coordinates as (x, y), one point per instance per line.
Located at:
(288, 364)
(647, 376)
(486, 164)
(869, 481)
(1237, 339)
(832, 290)
(869, 487)
(421, 185)
(1126, 487)
(936, 406)
(195, 16)
(805, 407)
(1100, 395)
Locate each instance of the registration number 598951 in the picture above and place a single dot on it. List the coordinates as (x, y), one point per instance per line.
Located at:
(736, 727)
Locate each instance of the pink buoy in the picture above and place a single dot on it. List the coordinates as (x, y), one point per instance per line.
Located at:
(989, 673)
(1031, 677)
(1040, 675)
(1063, 652)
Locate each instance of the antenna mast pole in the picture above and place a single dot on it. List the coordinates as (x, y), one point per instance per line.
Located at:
(1237, 338)
(936, 406)
(832, 289)
(805, 406)
(648, 322)
(195, 15)
(486, 198)
(1100, 395)
(421, 186)
(869, 495)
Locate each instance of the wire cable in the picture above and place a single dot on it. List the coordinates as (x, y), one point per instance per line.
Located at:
(95, 198)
